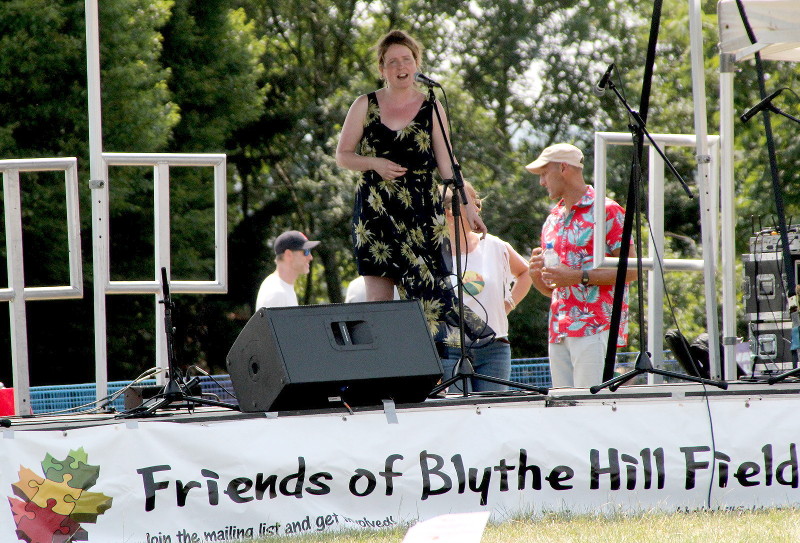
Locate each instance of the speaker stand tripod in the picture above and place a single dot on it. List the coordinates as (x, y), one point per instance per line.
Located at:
(645, 365)
(176, 391)
(465, 368)
(643, 362)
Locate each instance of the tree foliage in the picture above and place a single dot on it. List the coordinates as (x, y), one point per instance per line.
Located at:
(269, 82)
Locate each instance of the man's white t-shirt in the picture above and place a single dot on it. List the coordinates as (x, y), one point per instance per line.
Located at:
(275, 292)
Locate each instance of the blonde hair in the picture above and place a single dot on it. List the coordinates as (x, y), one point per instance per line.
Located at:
(447, 195)
(398, 37)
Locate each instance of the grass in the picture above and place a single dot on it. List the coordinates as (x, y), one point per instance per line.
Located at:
(739, 526)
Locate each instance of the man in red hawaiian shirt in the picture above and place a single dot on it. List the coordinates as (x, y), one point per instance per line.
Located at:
(581, 297)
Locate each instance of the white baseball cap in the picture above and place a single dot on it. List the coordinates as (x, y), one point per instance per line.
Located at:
(560, 152)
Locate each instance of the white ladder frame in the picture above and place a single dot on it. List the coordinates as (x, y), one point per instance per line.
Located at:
(103, 286)
(655, 266)
(17, 293)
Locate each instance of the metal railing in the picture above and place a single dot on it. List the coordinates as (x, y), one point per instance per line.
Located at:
(654, 262)
(103, 285)
(16, 294)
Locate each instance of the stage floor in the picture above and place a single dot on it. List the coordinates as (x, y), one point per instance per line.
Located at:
(556, 397)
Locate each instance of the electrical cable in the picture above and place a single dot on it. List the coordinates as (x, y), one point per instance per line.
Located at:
(107, 399)
(660, 261)
(220, 385)
(455, 195)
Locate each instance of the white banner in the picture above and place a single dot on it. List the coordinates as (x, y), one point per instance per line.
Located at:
(158, 481)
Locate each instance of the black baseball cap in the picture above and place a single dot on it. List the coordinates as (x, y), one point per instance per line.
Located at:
(294, 241)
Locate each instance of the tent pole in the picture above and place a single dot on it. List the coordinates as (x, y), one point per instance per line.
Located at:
(98, 185)
(708, 211)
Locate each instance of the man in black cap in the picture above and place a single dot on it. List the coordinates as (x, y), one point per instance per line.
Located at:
(293, 258)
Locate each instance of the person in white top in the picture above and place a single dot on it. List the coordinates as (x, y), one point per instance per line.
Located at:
(292, 259)
(357, 291)
(495, 280)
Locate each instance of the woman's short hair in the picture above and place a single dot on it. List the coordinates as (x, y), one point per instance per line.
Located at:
(398, 37)
(447, 200)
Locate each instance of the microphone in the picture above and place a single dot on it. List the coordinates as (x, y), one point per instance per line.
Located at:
(763, 104)
(420, 77)
(600, 88)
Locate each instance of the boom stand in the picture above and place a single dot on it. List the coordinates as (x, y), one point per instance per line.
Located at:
(176, 389)
(465, 370)
(643, 362)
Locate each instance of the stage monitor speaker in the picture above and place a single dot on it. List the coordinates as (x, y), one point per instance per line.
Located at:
(318, 356)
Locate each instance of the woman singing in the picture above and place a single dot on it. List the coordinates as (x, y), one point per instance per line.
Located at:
(399, 232)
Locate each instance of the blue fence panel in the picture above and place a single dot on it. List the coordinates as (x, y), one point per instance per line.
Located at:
(531, 371)
(219, 388)
(78, 398)
(536, 371)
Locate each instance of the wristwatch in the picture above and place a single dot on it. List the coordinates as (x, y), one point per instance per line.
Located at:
(585, 278)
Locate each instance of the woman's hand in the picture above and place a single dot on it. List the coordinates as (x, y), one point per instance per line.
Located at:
(388, 169)
(474, 220)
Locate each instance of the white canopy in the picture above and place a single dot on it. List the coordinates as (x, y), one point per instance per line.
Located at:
(775, 23)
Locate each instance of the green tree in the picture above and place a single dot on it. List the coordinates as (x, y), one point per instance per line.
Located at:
(43, 113)
(287, 177)
(269, 83)
(43, 52)
(213, 56)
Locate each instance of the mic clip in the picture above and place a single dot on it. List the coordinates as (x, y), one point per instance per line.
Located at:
(605, 81)
(419, 77)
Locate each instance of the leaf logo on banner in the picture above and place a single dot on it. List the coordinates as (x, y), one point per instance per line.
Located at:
(51, 509)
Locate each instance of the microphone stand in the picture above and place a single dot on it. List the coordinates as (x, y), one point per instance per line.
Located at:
(465, 367)
(643, 362)
(177, 388)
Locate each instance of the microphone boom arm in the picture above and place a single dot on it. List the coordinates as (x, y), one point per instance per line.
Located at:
(641, 124)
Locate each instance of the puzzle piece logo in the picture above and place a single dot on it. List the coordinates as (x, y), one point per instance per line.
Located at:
(50, 509)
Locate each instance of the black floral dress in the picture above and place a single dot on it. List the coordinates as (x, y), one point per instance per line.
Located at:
(399, 229)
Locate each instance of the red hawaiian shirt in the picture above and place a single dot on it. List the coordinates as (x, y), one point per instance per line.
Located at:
(576, 310)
